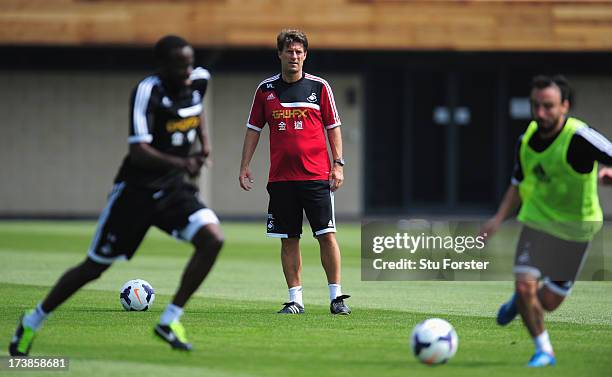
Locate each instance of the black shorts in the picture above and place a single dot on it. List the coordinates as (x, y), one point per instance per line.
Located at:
(556, 261)
(289, 200)
(130, 211)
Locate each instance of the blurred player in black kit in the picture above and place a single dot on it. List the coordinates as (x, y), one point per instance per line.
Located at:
(151, 189)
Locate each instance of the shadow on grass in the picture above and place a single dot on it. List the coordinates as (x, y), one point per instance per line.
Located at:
(478, 364)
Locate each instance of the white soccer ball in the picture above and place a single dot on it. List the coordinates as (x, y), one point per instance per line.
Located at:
(137, 295)
(434, 341)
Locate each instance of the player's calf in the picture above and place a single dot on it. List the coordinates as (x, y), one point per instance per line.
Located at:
(552, 294)
(209, 240)
(526, 289)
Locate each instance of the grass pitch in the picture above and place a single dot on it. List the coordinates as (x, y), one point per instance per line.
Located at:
(235, 331)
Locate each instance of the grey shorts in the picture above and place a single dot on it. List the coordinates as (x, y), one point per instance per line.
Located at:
(555, 261)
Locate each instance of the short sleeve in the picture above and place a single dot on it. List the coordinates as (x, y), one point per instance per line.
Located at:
(257, 119)
(329, 112)
(141, 104)
(200, 77)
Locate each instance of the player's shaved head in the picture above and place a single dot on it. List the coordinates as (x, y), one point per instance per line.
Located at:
(175, 60)
(165, 46)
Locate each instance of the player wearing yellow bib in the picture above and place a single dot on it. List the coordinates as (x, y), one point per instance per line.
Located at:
(555, 185)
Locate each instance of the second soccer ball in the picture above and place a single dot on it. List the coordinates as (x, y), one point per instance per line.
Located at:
(434, 341)
(137, 295)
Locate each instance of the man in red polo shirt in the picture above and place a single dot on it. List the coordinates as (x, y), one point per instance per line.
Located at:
(299, 109)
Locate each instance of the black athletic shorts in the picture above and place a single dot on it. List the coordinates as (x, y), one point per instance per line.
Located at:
(556, 261)
(130, 211)
(290, 199)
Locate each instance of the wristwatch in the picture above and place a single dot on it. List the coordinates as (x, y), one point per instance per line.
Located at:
(339, 161)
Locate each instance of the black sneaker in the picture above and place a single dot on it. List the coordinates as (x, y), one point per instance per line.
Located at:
(22, 340)
(338, 306)
(174, 335)
(291, 308)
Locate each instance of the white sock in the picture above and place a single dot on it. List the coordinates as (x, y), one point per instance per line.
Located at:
(35, 318)
(171, 314)
(542, 343)
(335, 290)
(295, 295)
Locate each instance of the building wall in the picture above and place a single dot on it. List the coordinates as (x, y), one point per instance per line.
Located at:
(451, 25)
(64, 135)
(592, 105)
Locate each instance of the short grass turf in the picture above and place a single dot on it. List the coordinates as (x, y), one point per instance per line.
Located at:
(235, 331)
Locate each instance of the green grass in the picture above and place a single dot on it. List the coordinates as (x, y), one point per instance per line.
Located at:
(232, 324)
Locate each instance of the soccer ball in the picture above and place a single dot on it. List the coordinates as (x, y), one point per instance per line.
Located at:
(137, 295)
(434, 341)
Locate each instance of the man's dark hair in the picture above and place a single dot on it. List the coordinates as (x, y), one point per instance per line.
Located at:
(288, 36)
(166, 45)
(542, 82)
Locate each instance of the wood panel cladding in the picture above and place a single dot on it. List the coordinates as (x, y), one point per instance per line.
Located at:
(468, 25)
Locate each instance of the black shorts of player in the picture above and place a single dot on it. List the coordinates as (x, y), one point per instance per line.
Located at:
(290, 199)
(130, 211)
(555, 261)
